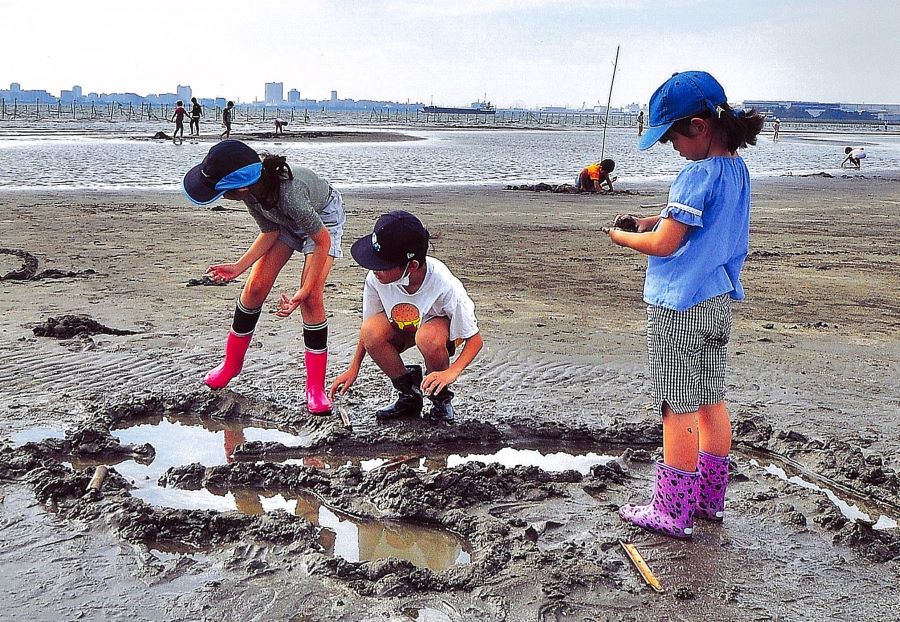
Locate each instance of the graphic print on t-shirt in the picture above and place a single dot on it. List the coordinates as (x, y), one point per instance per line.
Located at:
(406, 317)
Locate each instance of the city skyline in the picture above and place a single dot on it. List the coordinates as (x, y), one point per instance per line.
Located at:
(528, 53)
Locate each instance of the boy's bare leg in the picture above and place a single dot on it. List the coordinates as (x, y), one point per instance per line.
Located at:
(681, 439)
(383, 342)
(715, 429)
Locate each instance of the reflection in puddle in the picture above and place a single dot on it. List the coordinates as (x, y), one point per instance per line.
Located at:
(36, 435)
(560, 461)
(426, 614)
(362, 539)
(851, 512)
(507, 457)
(182, 442)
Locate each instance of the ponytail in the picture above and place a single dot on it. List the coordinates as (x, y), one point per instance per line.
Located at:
(275, 169)
(740, 127)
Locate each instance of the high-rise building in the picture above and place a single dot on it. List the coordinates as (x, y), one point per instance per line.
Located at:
(274, 93)
(334, 96)
(76, 92)
(293, 96)
(15, 87)
(183, 92)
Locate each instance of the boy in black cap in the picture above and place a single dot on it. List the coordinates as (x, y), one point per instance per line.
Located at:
(411, 299)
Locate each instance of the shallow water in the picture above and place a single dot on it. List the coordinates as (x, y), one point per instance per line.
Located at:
(119, 156)
(850, 511)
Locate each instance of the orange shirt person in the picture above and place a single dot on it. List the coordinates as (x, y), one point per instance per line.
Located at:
(593, 175)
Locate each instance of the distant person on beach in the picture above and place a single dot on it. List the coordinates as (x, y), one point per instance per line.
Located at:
(854, 156)
(696, 247)
(410, 299)
(776, 129)
(640, 123)
(296, 210)
(178, 118)
(226, 119)
(593, 175)
(196, 113)
(279, 125)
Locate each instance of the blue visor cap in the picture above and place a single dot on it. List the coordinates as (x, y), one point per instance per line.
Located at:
(681, 96)
(229, 165)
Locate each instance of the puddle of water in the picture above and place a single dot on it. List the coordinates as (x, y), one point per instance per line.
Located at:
(36, 435)
(426, 614)
(560, 461)
(363, 539)
(178, 443)
(508, 457)
(182, 442)
(851, 512)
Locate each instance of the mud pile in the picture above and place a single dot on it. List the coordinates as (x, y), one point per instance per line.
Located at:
(69, 326)
(28, 271)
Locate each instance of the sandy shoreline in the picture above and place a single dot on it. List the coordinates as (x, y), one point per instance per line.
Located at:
(814, 353)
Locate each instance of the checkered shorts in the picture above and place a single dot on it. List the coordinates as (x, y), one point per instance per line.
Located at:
(687, 354)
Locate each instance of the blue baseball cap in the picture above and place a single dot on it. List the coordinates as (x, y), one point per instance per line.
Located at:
(229, 165)
(683, 95)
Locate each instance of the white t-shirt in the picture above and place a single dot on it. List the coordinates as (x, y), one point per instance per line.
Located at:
(859, 153)
(441, 295)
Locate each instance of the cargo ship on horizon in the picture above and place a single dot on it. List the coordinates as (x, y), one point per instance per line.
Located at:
(475, 108)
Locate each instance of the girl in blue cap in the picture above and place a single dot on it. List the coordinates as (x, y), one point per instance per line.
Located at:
(696, 247)
(296, 210)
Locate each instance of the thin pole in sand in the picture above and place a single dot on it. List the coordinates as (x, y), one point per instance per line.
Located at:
(608, 101)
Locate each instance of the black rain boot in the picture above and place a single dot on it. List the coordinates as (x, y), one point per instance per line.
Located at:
(441, 409)
(409, 402)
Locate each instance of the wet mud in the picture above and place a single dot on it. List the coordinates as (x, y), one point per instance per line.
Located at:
(237, 504)
(567, 189)
(482, 521)
(69, 326)
(207, 281)
(29, 269)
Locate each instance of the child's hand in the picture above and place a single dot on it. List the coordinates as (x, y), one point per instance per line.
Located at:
(626, 222)
(343, 382)
(224, 272)
(437, 381)
(286, 305)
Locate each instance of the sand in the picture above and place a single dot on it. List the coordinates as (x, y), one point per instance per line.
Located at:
(813, 378)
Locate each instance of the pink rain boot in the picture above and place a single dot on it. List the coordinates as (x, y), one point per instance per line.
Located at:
(711, 489)
(671, 511)
(235, 350)
(316, 400)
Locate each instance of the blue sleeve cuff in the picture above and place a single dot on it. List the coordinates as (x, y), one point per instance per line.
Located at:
(683, 213)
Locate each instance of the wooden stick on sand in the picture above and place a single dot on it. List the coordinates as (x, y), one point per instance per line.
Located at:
(641, 565)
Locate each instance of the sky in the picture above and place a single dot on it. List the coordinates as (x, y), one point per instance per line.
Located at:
(513, 52)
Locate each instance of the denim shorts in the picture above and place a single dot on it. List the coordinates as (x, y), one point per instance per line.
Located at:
(333, 218)
(687, 351)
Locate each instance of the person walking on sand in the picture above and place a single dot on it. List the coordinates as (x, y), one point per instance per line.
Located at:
(854, 156)
(592, 176)
(696, 247)
(776, 130)
(410, 299)
(296, 210)
(178, 118)
(640, 123)
(196, 113)
(226, 119)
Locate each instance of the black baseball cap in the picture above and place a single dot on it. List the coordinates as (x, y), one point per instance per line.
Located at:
(397, 238)
(229, 165)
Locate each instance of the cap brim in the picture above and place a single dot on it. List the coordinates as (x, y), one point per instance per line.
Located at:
(198, 188)
(364, 255)
(652, 135)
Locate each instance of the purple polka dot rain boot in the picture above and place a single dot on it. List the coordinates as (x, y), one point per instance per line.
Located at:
(671, 511)
(711, 489)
